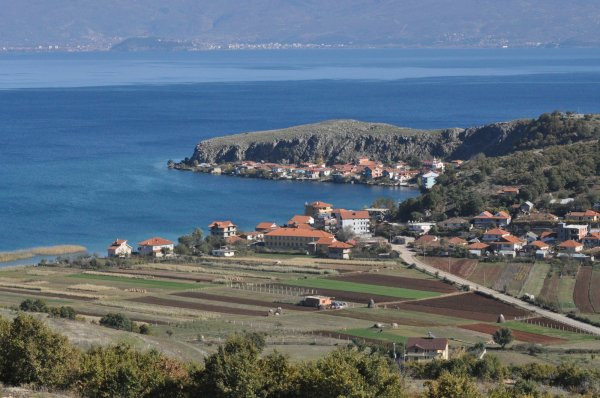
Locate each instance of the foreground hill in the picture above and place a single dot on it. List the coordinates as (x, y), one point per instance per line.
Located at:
(338, 141)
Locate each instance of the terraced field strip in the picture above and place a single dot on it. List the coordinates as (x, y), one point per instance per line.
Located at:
(430, 285)
(462, 267)
(581, 293)
(390, 292)
(197, 306)
(364, 335)
(548, 327)
(526, 337)
(467, 306)
(487, 274)
(150, 283)
(519, 277)
(566, 286)
(36, 293)
(535, 281)
(595, 290)
(241, 300)
(165, 274)
(549, 292)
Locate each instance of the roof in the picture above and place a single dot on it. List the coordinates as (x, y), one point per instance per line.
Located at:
(118, 242)
(320, 204)
(326, 240)
(487, 214)
(299, 232)
(431, 174)
(301, 220)
(233, 239)
(455, 220)
(478, 246)
(221, 224)
(457, 241)
(539, 244)
(511, 239)
(427, 343)
(426, 239)
(587, 213)
(570, 243)
(156, 241)
(352, 215)
(496, 231)
(266, 225)
(593, 236)
(340, 245)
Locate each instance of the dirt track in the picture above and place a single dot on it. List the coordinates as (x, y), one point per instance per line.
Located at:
(197, 306)
(398, 281)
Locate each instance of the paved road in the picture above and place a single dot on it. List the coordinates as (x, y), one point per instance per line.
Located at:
(411, 258)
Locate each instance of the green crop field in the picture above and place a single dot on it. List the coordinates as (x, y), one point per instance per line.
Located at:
(565, 293)
(150, 283)
(363, 288)
(563, 334)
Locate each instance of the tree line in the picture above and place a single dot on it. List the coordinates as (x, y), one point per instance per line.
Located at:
(31, 354)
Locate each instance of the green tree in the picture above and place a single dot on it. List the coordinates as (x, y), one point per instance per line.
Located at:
(449, 385)
(124, 372)
(37, 305)
(503, 337)
(117, 321)
(349, 373)
(32, 353)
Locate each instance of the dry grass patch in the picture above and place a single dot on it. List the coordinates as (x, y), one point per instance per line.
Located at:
(88, 287)
(40, 251)
(157, 310)
(40, 272)
(120, 275)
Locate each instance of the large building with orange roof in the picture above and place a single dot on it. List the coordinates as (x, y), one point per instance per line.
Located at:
(294, 239)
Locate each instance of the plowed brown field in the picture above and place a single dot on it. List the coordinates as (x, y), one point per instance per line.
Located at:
(467, 306)
(581, 293)
(462, 267)
(398, 281)
(241, 300)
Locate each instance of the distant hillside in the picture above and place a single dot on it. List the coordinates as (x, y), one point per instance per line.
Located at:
(425, 23)
(344, 140)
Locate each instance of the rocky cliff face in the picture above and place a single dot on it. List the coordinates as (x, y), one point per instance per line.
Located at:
(339, 141)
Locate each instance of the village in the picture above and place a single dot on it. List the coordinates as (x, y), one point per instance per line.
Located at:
(363, 171)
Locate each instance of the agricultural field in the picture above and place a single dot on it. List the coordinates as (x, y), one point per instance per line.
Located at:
(535, 281)
(192, 307)
(462, 267)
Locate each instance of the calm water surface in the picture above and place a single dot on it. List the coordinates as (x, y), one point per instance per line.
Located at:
(85, 137)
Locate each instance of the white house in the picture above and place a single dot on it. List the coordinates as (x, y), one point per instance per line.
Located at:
(119, 248)
(429, 179)
(223, 252)
(222, 229)
(425, 349)
(156, 247)
(359, 221)
(420, 227)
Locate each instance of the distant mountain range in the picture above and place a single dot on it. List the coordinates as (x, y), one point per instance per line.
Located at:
(198, 24)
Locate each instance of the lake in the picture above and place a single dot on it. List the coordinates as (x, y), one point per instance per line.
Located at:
(86, 136)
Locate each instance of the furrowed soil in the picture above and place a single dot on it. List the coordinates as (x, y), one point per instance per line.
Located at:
(549, 291)
(467, 306)
(595, 292)
(241, 300)
(581, 293)
(379, 318)
(398, 281)
(526, 337)
(197, 306)
(461, 267)
(551, 323)
(46, 294)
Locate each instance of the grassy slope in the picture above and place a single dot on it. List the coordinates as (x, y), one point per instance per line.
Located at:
(156, 283)
(535, 281)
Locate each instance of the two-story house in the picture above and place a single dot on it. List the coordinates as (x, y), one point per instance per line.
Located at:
(222, 229)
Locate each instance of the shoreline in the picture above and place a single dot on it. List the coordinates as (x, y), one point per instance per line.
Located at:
(17, 257)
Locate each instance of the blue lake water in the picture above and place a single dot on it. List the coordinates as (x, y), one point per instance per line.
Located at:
(85, 137)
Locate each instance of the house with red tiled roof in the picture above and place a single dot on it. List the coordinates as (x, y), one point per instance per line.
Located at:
(339, 250)
(294, 239)
(585, 216)
(494, 234)
(478, 248)
(298, 220)
(538, 248)
(508, 191)
(156, 247)
(426, 349)
(317, 209)
(487, 219)
(265, 226)
(508, 245)
(427, 241)
(222, 229)
(571, 247)
(592, 240)
(456, 241)
(358, 220)
(119, 248)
